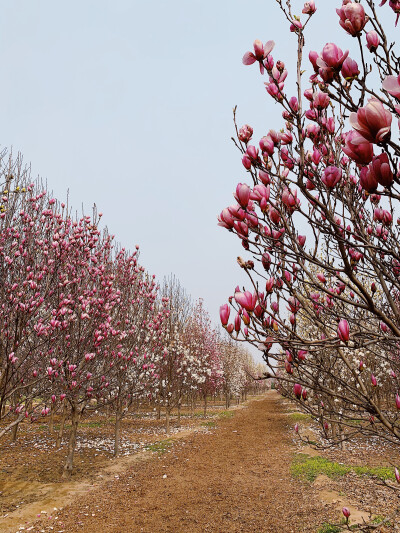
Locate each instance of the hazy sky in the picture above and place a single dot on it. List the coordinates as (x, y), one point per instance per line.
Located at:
(128, 105)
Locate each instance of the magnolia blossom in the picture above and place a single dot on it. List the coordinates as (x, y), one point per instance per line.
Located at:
(391, 84)
(372, 122)
(260, 53)
(352, 18)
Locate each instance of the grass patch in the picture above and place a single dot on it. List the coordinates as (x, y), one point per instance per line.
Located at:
(209, 424)
(94, 424)
(329, 528)
(311, 467)
(160, 447)
(226, 414)
(299, 417)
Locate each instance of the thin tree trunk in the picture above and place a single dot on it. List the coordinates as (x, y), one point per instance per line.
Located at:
(62, 424)
(205, 405)
(179, 413)
(51, 422)
(167, 424)
(118, 418)
(14, 433)
(75, 416)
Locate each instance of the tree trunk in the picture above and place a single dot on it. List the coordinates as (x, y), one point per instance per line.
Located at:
(118, 418)
(14, 433)
(51, 422)
(159, 411)
(205, 405)
(179, 413)
(62, 424)
(167, 424)
(75, 416)
(191, 406)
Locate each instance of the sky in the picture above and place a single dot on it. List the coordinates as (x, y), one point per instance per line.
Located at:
(128, 105)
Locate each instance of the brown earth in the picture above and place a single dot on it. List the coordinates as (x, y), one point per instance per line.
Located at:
(236, 479)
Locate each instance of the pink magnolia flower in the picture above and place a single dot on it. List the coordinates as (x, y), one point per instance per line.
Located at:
(343, 330)
(321, 100)
(373, 40)
(357, 148)
(395, 5)
(309, 8)
(269, 285)
(373, 122)
(225, 219)
(238, 322)
(224, 312)
(294, 104)
(373, 381)
(296, 25)
(397, 401)
(245, 317)
(350, 69)
(243, 194)
(346, 512)
(391, 84)
(290, 200)
(260, 53)
(368, 180)
(246, 300)
(397, 475)
(266, 260)
(302, 355)
(331, 176)
(352, 18)
(245, 133)
(301, 240)
(331, 57)
(297, 389)
(260, 192)
(267, 145)
(381, 171)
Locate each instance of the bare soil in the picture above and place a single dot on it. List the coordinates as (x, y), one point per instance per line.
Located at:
(234, 478)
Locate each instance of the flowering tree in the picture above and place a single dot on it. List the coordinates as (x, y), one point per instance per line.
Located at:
(319, 218)
(173, 364)
(233, 370)
(136, 332)
(30, 265)
(201, 341)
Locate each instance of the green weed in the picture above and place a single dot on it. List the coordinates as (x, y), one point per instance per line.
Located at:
(311, 467)
(299, 417)
(209, 424)
(160, 447)
(328, 528)
(226, 414)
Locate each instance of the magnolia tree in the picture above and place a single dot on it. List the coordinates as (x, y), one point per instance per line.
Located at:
(173, 363)
(30, 265)
(233, 366)
(136, 333)
(202, 343)
(318, 215)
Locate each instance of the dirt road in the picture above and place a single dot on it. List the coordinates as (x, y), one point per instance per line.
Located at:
(236, 479)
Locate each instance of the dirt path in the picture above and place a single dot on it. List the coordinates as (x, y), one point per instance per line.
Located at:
(235, 480)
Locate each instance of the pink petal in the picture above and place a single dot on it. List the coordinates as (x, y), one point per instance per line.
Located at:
(268, 47)
(249, 58)
(391, 85)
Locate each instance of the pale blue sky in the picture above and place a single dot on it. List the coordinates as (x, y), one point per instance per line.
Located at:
(128, 104)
